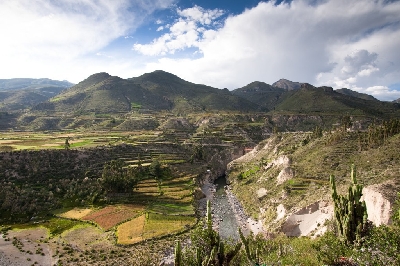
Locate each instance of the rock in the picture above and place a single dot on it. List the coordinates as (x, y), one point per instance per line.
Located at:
(261, 193)
(198, 194)
(308, 219)
(287, 173)
(280, 212)
(379, 199)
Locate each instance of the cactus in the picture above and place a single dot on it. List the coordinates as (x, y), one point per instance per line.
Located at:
(225, 258)
(350, 213)
(178, 254)
(212, 251)
(252, 254)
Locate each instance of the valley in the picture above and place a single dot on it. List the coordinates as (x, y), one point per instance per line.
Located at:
(114, 171)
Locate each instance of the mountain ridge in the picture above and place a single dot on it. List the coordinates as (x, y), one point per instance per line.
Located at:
(157, 90)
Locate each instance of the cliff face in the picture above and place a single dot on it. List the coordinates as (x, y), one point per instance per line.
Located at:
(379, 199)
(217, 160)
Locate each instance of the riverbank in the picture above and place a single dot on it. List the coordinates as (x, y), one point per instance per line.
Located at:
(220, 212)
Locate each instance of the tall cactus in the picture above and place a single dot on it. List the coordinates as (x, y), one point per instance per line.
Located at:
(350, 212)
(178, 254)
(251, 253)
(211, 251)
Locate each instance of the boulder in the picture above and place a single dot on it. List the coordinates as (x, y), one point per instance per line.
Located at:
(261, 193)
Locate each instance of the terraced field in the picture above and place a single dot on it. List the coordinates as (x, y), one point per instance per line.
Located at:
(156, 210)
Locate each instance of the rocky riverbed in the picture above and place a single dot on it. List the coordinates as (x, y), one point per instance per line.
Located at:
(228, 213)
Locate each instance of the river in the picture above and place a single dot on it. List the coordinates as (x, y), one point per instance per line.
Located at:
(224, 218)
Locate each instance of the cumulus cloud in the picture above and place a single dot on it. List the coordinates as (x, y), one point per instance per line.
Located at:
(186, 32)
(339, 43)
(43, 35)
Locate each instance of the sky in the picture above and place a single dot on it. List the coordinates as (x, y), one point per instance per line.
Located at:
(352, 44)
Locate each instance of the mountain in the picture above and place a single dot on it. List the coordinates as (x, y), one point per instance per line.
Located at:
(262, 94)
(156, 91)
(397, 101)
(23, 93)
(33, 84)
(356, 94)
(296, 98)
(312, 100)
(287, 84)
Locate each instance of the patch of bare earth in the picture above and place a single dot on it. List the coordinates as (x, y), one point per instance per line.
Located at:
(25, 248)
(86, 238)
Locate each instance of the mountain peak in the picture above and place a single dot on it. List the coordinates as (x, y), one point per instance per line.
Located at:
(100, 75)
(160, 75)
(287, 84)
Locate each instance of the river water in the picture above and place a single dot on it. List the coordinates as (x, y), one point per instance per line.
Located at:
(224, 218)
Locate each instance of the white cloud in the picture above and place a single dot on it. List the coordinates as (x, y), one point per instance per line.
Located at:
(381, 92)
(41, 37)
(339, 43)
(186, 32)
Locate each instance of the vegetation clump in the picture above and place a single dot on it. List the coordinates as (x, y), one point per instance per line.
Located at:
(350, 211)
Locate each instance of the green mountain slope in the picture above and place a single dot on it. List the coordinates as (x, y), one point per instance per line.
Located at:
(356, 94)
(262, 94)
(159, 90)
(199, 97)
(311, 100)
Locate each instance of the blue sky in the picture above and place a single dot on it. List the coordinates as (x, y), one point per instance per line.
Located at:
(225, 44)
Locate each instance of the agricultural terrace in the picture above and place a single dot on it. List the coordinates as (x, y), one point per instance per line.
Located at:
(157, 208)
(56, 140)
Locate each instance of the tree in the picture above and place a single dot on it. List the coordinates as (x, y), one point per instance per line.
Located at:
(346, 122)
(66, 144)
(118, 178)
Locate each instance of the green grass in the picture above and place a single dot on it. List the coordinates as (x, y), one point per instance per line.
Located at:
(81, 143)
(136, 105)
(57, 226)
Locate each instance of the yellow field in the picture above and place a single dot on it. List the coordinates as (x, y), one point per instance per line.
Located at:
(76, 213)
(155, 225)
(131, 232)
(159, 225)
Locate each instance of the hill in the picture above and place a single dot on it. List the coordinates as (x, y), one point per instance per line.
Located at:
(262, 94)
(288, 174)
(27, 83)
(156, 91)
(23, 93)
(305, 99)
(312, 100)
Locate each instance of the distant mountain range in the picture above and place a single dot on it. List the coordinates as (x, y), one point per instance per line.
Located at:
(23, 93)
(102, 93)
(293, 97)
